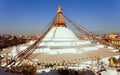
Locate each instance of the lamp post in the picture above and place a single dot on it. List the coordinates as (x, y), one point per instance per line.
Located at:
(7, 58)
(98, 62)
(97, 58)
(1, 47)
(0, 56)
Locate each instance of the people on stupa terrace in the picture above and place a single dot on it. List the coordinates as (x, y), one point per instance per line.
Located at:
(64, 68)
(76, 69)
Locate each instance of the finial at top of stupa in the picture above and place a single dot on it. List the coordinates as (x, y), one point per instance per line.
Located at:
(59, 10)
(59, 21)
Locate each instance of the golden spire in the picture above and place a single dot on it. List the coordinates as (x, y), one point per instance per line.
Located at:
(59, 21)
(59, 9)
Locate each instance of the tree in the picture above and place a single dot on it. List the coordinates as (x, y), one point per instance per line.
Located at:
(112, 61)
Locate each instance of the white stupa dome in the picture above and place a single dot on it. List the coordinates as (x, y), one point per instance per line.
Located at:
(60, 33)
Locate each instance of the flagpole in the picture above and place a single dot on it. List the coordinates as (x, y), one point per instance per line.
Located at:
(0, 57)
(98, 61)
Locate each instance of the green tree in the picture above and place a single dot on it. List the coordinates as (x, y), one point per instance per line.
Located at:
(114, 60)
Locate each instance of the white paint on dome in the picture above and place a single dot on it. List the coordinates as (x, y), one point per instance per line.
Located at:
(23, 47)
(30, 42)
(114, 50)
(60, 40)
(62, 33)
(14, 52)
(100, 46)
(110, 47)
(90, 48)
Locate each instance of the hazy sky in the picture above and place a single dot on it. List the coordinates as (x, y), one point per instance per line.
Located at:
(32, 16)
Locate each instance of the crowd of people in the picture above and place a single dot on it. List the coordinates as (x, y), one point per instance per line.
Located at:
(66, 71)
(64, 68)
(84, 69)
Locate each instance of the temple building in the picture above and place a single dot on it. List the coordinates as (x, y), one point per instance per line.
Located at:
(112, 38)
(61, 44)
